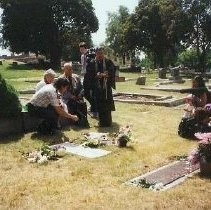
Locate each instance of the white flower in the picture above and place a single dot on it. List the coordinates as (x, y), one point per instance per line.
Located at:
(32, 160)
(43, 160)
(157, 186)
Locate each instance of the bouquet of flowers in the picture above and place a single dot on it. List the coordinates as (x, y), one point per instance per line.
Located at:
(44, 154)
(123, 136)
(204, 149)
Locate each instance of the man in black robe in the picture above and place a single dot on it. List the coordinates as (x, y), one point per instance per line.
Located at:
(103, 77)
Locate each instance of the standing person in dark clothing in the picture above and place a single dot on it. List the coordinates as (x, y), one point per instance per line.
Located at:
(104, 81)
(88, 77)
(83, 50)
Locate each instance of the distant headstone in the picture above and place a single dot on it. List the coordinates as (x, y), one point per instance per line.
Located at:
(117, 71)
(14, 63)
(117, 77)
(1, 63)
(162, 73)
(141, 81)
(175, 75)
(120, 79)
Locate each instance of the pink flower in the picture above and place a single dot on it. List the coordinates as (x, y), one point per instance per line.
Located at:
(193, 157)
(205, 141)
(203, 136)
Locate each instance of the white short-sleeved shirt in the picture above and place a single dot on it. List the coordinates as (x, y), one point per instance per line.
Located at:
(46, 96)
(40, 85)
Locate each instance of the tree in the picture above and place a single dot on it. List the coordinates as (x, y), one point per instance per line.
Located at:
(70, 50)
(157, 27)
(188, 58)
(41, 26)
(115, 31)
(199, 13)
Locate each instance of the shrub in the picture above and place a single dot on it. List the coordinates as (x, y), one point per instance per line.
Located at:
(10, 106)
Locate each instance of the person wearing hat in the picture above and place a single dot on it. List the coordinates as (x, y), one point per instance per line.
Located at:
(48, 78)
(103, 72)
(45, 105)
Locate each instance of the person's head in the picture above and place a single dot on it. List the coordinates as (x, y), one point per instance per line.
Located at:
(202, 115)
(189, 99)
(49, 76)
(61, 85)
(82, 47)
(99, 53)
(198, 81)
(68, 70)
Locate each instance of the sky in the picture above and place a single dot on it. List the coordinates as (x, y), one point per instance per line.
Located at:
(101, 10)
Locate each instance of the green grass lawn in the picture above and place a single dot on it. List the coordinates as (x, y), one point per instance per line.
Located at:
(79, 183)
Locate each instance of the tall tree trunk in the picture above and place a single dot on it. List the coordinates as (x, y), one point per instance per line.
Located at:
(55, 50)
(123, 58)
(197, 46)
(55, 57)
(160, 59)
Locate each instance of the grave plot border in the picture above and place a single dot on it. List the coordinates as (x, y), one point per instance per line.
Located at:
(167, 101)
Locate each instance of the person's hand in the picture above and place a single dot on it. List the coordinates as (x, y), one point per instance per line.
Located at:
(73, 97)
(74, 118)
(99, 75)
(105, 74)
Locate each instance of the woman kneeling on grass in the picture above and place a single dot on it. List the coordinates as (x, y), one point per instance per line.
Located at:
(45, 105)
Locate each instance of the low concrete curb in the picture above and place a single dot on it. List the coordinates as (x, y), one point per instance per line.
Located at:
(167, 101)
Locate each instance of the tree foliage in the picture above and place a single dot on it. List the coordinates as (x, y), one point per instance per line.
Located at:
(188, 58)
(199, 12)
(115, 31)
(10, 106)
(158, 27)
(42, 26)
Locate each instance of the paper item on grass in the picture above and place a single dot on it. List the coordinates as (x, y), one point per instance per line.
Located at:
(102, 138)
(82, 151)
(96, 135)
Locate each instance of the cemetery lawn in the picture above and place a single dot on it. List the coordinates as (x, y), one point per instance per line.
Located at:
(75, 182)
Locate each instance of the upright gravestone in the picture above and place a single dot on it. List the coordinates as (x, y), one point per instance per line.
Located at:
(162, 73)
(141, 80)
(117, 77)
(175, 75)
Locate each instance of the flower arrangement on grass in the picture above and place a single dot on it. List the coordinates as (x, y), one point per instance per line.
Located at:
(44, 154)
(124, 136)
(203, 152)
(95, 139)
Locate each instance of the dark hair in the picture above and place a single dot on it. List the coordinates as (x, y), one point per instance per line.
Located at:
(201, 113)
(82, 44)
(61, 82)
(99, 49)
(199, 80)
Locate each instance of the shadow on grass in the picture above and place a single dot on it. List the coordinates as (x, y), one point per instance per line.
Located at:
(20, 67)
(113, 129)
(11, 138)
(131, 148)
(202, 176)
(56, 138)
